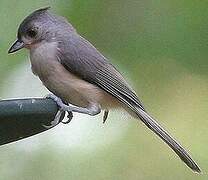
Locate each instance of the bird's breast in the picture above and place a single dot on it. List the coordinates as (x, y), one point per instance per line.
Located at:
(61, 82)
(43, 59)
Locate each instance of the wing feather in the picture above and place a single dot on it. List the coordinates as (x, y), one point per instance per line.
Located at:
(81, 58)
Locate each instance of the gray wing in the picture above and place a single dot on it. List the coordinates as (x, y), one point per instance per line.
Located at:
(83, 59)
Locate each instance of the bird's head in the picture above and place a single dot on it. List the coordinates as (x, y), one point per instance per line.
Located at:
(40, 26)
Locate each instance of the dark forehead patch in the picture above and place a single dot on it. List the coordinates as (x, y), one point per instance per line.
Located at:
(29, 20)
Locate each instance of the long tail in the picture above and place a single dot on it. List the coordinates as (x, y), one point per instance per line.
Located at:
(173, 144)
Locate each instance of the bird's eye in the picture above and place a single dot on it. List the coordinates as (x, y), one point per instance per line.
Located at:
(32, 33)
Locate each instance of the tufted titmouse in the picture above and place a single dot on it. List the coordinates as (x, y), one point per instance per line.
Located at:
(77, 73)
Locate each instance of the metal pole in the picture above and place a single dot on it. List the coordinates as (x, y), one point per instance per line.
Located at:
(21, 118)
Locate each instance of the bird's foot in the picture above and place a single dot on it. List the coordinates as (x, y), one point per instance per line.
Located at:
(58, 118)
(93, 109)
(69, 116)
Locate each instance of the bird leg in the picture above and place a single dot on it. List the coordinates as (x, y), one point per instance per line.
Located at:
(93, 108)
(58, 114)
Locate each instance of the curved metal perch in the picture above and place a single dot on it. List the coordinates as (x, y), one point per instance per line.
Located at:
(21, 118)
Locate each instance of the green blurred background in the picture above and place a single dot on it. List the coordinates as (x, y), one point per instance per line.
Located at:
(161, 47)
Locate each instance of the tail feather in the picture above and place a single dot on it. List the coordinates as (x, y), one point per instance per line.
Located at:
(173, 144)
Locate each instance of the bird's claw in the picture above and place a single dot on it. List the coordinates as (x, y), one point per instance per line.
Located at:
(69, 116)
(58, 118)
(93, 109)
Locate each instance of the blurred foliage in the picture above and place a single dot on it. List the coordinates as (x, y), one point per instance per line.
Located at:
(161, 46)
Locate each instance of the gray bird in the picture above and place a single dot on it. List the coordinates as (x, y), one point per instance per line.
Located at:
(77, 73)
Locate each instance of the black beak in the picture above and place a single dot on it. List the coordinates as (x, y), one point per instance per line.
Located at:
(16, 46)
